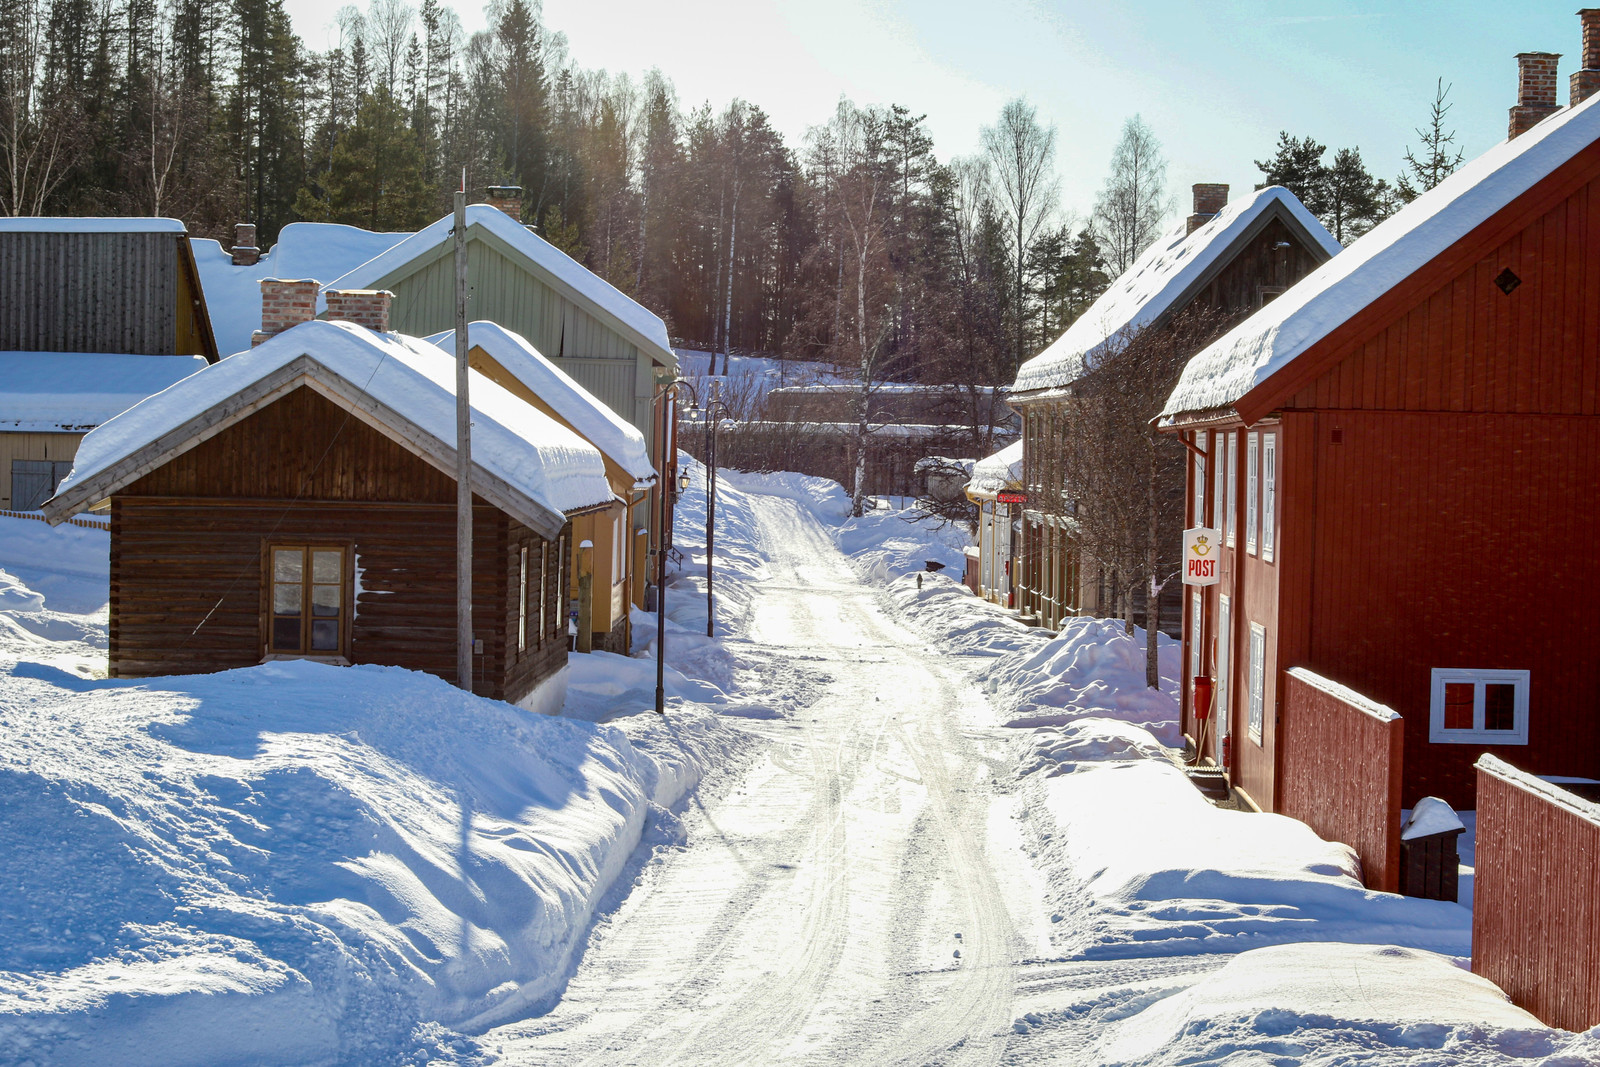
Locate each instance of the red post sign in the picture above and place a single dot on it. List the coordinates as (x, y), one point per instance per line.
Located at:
(1202, 549)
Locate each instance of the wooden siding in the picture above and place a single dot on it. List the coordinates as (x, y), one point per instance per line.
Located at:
(1451, 541)
(1260, 266)
(53, 446)
(90, 292)
(1341, 777)
(187, 591)
(599, 357)
(1536, 898)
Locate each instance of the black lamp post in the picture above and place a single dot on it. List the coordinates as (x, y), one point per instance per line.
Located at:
(669, 437)
(712, 417)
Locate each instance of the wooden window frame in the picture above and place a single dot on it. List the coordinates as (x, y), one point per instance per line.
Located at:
(1252, 489)
(1219, 480)
(1231, 507)
(1478, 735)
(522, 600)
(1200, 475)
(1224, 655)
(544, 593)
(346, 585)
(1258, 681)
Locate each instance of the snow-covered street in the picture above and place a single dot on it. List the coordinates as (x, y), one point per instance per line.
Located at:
(859, 899)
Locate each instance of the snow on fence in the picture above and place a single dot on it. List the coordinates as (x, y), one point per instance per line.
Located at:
(1341, 771)
(1536, 895)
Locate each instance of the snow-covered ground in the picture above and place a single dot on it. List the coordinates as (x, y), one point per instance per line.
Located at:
(881, 823)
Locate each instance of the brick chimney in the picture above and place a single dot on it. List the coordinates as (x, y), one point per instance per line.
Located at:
(507, 198)
(245, 252)
(1209, 200)
(1583, 83)
(1536, 90)
(285, 303)
(364, 307)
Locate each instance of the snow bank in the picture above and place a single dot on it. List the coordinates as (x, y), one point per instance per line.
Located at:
(823, 497)
(1090, 741)
(897, 538)
(739, 562)
(1327, 1004)
(963, 624)
(1092, 667)
(1167, 873)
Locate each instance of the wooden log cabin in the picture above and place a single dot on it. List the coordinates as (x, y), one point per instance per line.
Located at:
(619, 533)
(1233, 257)
(298, 501)
(95, 315)
(1401, 454)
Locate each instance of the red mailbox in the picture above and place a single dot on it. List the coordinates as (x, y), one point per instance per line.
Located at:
(1202, 698)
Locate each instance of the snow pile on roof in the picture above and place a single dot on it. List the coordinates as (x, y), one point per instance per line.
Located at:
(635, 316)
(1155, 282)
(1431, 816)
(1092, 667)
(1328, 1004)
(526, 449)
(47, 392)
(304, 250)
(85, 224)
(1335, 292)
(752, 375)
(1003, 470)
(572, 403)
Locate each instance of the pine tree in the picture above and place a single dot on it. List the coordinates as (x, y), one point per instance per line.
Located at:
(376, 179)
(1439, 155)
(1355, 200)
(1297, 166)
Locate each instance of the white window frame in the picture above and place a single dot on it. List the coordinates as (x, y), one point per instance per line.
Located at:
(1224, 669)
(1252, 480)
(1517, 735)
(1219, 476)
(1200, 482)
(1269, 495)
(1258, 680)
(522, 599)
(1233, 490)
(1196, 632)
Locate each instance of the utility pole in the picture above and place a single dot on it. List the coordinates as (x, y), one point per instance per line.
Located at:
(463, 456)
(711, 500)
(669, 414)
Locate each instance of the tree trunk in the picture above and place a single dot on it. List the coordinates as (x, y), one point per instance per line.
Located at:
(1152, 605)
(727, 314)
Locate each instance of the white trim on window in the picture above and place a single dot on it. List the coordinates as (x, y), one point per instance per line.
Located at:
(1479, 734)
(1269, 495)
(1251, 484)
(1196, 632)
(1224, 671)
(1228, 519)
(1258, 679)
(1200, 482)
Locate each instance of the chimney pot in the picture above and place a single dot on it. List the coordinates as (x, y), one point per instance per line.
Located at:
(1209, 200)
(1585, 82)
(285, 303)
(1536, 91)
(364, 307)
(245, 252)
(507, 198)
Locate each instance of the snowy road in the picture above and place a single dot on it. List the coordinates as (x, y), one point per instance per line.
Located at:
(860, 898)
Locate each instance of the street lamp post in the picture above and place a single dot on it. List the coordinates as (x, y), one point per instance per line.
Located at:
(711, 417)
(670, 394)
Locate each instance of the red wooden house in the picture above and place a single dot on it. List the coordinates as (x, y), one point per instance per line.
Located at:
(1400, 452)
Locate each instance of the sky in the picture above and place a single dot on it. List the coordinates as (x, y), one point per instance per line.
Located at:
(1215, 81)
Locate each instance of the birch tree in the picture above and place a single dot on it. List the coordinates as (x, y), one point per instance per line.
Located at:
(1021, 152)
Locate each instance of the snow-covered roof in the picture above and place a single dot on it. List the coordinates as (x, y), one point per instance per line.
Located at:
(304, 250)
(524, 462)
(994, 473)
(70, 392)
(591, 418)
(135, 224)
(646, 327)
(1160, 278)
(1335, 292)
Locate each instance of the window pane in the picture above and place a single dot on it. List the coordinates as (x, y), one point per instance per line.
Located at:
(1499, 706)
(288, 564)
(325, 565)
(286, 635)
(325, 600)
(286, 600)
(325, 636)
(1458, 698)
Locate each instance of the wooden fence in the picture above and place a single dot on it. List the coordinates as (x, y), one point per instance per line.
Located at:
(1536, 895)
(1342, 758)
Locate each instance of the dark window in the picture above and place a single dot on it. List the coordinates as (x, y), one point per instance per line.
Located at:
(309, 603)
(1499, 706)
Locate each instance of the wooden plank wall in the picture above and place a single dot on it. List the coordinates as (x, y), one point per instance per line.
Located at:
(55, 446)
(1450, 541)
(187, 591)
(1536, 896)
(89, 292)
(1341, 777)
